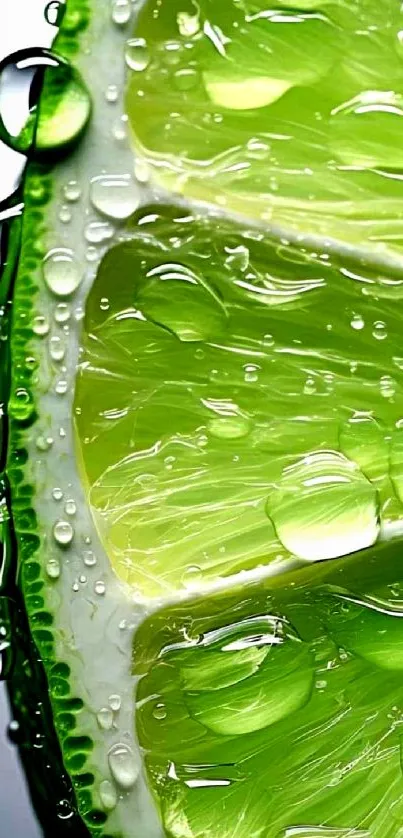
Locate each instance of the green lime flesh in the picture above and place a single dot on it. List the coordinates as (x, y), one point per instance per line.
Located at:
(290, 112)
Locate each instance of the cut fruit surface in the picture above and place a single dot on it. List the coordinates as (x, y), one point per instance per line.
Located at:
(232, 407)
(310, 734)
(290, 112)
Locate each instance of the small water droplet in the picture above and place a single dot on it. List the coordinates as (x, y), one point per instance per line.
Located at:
(44, 443)
(63, 533)
(57, 494)
(121, 12)
(237, 258)
(192, 576)
(115, 702)
(57, 348)
(137, 56)
(104, 304)
(105, 718)
(62, 313)
(119, 129)
(123, 766)
(53, 568)
(92, 254)
(89, 558)
(324, 507)
(387, 387)
(357, 322)
(116, 196)
(76, 587)
(83, 580)
(97, 232)
(108, 795)
(62, 272)
(21, 406)
(100, 588)
(251, 373)
(309, 387)
(268, 341)
(65, 214)
(159, 712)
(379, 330)
(70, 507)
(186, 78)
(40, 326)
(188, 25)
(141, 170)
(61, 387)
(54, 12)
(64, 810)
(112, 93)
(72, 191)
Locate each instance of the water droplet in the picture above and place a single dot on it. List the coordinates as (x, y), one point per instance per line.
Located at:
(229, 427)
(64, 810)
(379, 330)
(268, 341)
(89, 558)
(121, 12)
(123, 766)
(141, 170)
(309, 387)
(192, 576)
(57, 348)
(92, 254)
(119, 129)
(62, 313)
(159, 712)
(324, 507)
(21, 406)
(62, 272)
(100, 588)
(61, 387)
(60, 116)
(72, 191)
(98, 231)
(136, 54)
(105, 718)
(237, 258)
(357, 322)
(115, 703)
(116, 196)
(65, 214)
(44, 443)
(108, 795)
(57, 494)
(186, 78)
(112, 93)
(188, 25)
(76, 587)
(70, 507)
(63, 533)
(40, 326)
(53, 568)
(387, 387)
(251, 373)
(366, 130)
(54, 12)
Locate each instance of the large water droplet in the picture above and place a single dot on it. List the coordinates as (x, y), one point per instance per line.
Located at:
(97, 232)
(53, 568)
(56, 118)
(123, 766)
(116, 196)
(121, 12)
(63, 533)
(136, 54)
(324, 507)
(62, 272)
(366, 131)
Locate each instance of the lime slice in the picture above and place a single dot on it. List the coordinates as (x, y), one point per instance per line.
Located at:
(204, 453)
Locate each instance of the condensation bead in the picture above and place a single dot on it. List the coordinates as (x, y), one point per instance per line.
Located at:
(57, 348)
(53, 568)
(105, 718)
(63, 533)
(108, 795)
(123, 766)
(62, 272)
(40, 326)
